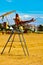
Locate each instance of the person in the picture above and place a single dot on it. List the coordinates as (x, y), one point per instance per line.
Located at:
(17, 19)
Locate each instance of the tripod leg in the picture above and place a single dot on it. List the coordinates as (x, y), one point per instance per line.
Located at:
(22, 45)
(11, 44)
(6, 43)
(25, 44)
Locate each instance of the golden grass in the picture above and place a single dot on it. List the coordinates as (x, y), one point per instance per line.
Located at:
(16, 56)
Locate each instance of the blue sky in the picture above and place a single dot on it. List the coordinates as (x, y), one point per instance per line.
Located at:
(29, 8)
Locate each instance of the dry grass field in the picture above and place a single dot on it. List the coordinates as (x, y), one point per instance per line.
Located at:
(16, 56)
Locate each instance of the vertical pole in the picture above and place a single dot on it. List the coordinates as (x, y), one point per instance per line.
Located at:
(25, 44)
(6, 43)
(11, 44)
(22, 44)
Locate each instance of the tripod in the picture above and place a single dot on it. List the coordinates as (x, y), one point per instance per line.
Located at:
(19, 33)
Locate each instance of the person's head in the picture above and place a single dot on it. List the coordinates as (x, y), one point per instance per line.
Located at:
(17, 15)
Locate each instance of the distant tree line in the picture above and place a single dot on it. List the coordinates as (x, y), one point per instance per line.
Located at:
(40, 28)
(3, 27)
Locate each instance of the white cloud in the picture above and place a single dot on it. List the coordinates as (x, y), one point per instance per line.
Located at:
(41, 17)
(27, 16)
